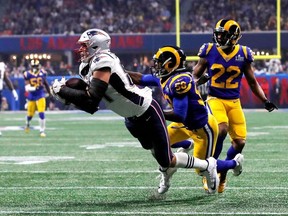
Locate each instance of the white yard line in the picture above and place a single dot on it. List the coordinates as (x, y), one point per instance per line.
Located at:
(131, 188)
(138, 213)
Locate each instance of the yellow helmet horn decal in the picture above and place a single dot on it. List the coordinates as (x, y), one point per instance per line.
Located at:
(176, 55)
(218, 24)
(229, 23)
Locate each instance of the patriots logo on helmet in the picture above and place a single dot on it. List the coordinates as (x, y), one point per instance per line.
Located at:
(92, 33)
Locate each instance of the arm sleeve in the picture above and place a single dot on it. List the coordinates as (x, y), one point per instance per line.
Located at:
(180, 106)
(149, 80)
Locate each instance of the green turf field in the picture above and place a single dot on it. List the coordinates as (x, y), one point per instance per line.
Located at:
(91, 165)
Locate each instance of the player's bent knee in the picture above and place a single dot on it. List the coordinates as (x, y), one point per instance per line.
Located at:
(223, 129)
(239, 144)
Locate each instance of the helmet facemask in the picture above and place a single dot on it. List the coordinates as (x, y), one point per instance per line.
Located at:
(35, 66)
(167, 60)
(85, 52)
(159, 69)
(92, 42)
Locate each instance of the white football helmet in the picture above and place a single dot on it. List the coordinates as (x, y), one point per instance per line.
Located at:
(93, 41)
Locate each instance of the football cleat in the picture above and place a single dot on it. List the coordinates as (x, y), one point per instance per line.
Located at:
(187, 150)
(42, 134)
(204, 182)
(239, 158)
(221, 187)
(211, 175)
(165, 179)
(222, 184)
(27, 129)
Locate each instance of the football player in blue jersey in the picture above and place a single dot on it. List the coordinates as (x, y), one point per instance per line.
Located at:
(189, 115)
(35, 82)
(226, 62)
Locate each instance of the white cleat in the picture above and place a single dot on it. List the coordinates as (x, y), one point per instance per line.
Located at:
(187, 150)
(211, 176)
(239, 158)
(42, 134)
(165, 179)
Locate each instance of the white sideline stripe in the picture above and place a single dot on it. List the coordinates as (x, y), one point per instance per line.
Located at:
(139, 212)
(133, 188)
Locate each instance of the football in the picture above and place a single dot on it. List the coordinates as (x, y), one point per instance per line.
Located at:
(76, 83)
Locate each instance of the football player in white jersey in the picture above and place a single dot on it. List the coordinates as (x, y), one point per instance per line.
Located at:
(107, 80)
(4, 78)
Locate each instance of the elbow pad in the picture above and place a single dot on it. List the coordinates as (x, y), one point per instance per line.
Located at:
(29, 88)
(97, 89)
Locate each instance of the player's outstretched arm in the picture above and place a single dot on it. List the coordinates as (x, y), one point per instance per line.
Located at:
(74, 91)
(257, 89)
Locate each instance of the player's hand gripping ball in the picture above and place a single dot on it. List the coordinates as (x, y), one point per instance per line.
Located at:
(75, 83)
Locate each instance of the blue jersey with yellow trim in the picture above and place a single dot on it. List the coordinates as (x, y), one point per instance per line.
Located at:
(226, 71)
(180, 85)
(36, 80)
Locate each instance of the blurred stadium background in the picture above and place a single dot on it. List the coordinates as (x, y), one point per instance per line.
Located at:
(48, 30)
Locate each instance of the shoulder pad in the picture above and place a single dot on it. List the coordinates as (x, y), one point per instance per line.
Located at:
(204, 49)
(102, 60)
(181, 83)
(43, 71)
(249, 56)
(25, 74)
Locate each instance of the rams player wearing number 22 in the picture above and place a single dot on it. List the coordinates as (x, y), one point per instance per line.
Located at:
(35, 81)
(226, 62)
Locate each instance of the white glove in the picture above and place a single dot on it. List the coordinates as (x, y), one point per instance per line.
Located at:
(26, 105)
(15, 95)
(55, 88)
(57, 85)
(63, 80)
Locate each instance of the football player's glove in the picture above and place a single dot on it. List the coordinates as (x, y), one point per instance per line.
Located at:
(203, 79)
(270, 106)
(74, 91)
(55, 89)
(57, 85)
(15, 95)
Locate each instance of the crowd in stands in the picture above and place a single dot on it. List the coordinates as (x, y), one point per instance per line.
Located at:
(74, 16)
(256, 15)
(22, 17)
(26, 17)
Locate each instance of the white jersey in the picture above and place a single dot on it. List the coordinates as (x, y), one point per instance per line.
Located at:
(122, 96)
(2, 71)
